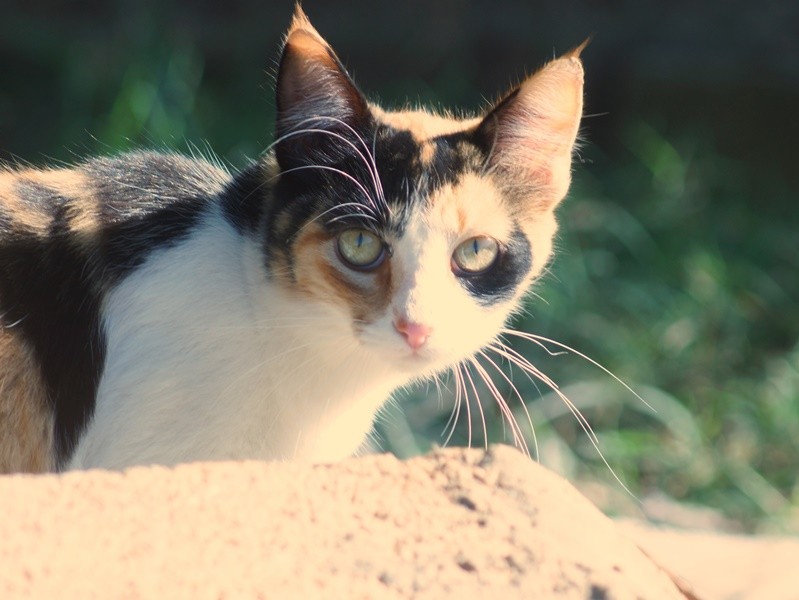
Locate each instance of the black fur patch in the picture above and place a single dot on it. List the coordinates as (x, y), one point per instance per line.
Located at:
(147, 201)
(46, 292)
(244, 199)
(455, 155)
(499, 282)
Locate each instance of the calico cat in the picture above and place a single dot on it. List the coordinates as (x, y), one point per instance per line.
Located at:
(158, 309)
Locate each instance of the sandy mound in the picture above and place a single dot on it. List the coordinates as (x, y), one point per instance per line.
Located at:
(454, 524)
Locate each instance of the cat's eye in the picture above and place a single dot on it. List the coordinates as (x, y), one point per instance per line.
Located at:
(475, 255)
(360, 249)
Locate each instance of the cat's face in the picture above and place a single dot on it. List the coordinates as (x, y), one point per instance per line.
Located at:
(421, 232)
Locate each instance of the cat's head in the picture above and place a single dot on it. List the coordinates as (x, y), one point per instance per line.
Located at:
(421, 231)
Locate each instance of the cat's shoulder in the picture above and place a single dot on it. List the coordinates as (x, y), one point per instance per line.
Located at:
(103, 191)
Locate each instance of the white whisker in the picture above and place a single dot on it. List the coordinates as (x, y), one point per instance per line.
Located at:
(371, 164)
(369, 167)
(456, 410)
(529, 368)
(518, 439)
(518, 395)
(350, 216)
(437, 382)
(480, 404)
(468, 408)
(334, 170)
(541, 340)
(334, 219)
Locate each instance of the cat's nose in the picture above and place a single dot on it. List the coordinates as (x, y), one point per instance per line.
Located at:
(415, 334)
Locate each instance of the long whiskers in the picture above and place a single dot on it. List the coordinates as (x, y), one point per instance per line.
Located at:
(346, 141)
(534, 374)
(345, 216)
(521, 400)
(334, 170)
(518, 436)
(541, 341)
(468, 406)
(370, 163)
(368, 158)
(460, 393)
(531, 370)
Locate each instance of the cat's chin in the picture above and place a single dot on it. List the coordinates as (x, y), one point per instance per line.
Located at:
(425, 363)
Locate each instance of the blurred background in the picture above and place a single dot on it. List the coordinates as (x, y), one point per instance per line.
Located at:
(678, 267)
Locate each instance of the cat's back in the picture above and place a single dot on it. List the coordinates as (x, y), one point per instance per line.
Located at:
(67, 236)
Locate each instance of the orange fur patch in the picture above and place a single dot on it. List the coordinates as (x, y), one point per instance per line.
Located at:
(364, 295)
(461, 218)
(428, 153)
(26, 420)
(423, 125)
(17, 208)
(299, 20)
(78, 188)
(67, 183)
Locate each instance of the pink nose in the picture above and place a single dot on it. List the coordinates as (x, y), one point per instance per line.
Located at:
(415, 334)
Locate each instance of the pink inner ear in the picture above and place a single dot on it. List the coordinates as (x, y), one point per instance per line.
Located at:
(544, 116)
(542, 176)
(535, 130)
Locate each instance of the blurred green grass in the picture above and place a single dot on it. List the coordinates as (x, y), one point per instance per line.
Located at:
(677, 263)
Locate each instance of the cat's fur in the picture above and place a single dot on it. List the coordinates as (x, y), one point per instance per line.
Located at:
(157, 309)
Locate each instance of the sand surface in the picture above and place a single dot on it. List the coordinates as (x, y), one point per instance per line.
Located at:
(454, 524)
(719, 566)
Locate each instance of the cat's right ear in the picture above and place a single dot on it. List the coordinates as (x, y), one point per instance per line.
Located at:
(530, 134)
(314, 92)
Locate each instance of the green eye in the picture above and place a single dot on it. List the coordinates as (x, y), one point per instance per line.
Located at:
(360, 249)
(475, 255)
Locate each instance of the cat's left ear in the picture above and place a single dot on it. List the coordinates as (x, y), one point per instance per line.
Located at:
(314, 92)
(531, 133)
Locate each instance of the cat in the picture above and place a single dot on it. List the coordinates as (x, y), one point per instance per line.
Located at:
(159, 309)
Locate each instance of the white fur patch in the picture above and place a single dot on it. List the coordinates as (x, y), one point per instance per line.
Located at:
(207, 360)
